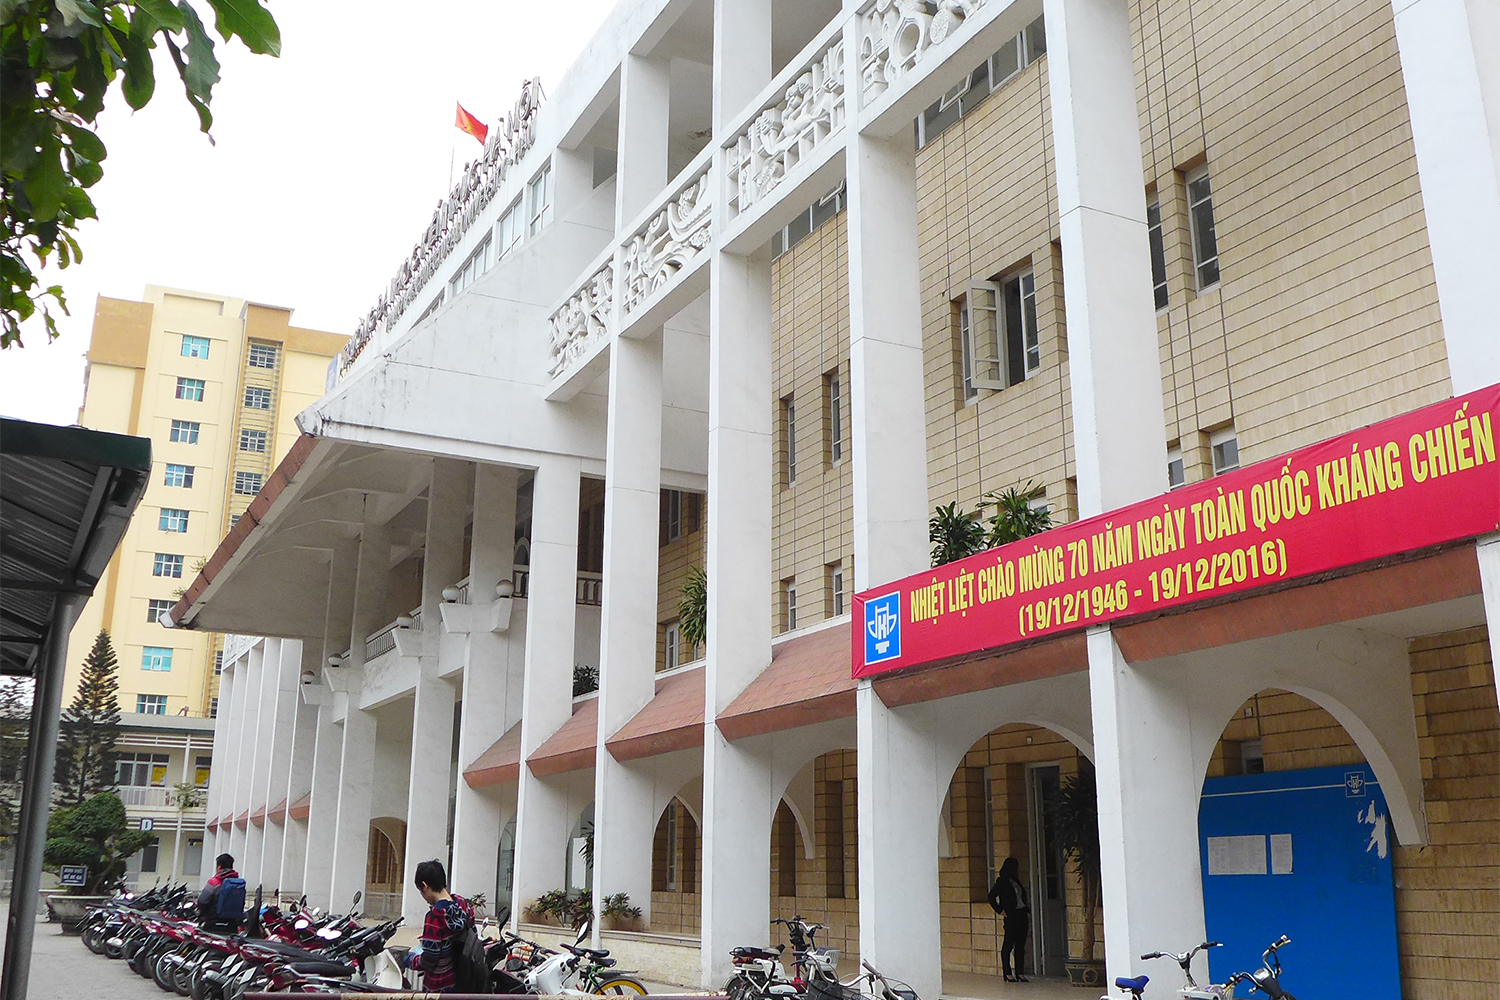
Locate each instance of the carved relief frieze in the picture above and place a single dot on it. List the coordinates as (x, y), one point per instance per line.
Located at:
(583, 320)
(672, 238)
(895, 34)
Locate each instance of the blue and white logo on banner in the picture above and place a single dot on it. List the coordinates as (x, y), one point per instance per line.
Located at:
(883, 628)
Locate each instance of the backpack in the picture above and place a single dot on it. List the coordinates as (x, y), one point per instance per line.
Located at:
(471, 970)
(229, 905)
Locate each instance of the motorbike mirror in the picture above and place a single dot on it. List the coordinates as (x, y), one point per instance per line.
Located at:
(583, 931)
(358, 895)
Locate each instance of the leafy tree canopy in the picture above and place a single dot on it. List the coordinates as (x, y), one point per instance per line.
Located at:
(97, 835)
(58, 59)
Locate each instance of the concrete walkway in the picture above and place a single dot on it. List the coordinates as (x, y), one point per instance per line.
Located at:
(63, 969)
(967, 986)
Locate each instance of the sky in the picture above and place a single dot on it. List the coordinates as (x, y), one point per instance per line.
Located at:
(323, 172)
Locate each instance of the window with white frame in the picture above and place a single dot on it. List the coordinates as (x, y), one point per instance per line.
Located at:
(141, 770)
(252, 440)
(432, 307)
(478, 263)
(190, 389)
(213, 708)
(804, 223)
(673, 658)
(185, 431)
(194, 347)
(539, 201)
(1158, 254)
(156, 608)
(1224, 448)
(674, 515)
(788, 604)
(835, 589)
(262, 356)
(173, 519)
(833, 394)
(998, 328)
(151, 704)
(1176, 470)
(1200, 199)
(247, 484)
(178, 475)
(257, 397)
(789, 439)
(203, 765)
(511, 229)
(168, 565)
(157, 658)
(218, 662)
(1018, 52)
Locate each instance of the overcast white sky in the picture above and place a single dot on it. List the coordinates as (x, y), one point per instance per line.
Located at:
(327, 164)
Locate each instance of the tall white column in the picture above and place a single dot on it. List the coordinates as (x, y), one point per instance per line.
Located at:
(432, 711)
(624, 806)
(254, 865)
(220, 781)
(736, 828)
(1450, 63)
(1152, 885)
(898, 890)
(1148, 810)
(542, 821)
(248, 709)
(279, 725)
(357, 759)
(299, 774)
(328, 738)
(645, 89)
(1119, 430)
(492, 680)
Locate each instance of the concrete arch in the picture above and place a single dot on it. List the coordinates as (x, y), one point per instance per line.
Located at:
(1362, 678)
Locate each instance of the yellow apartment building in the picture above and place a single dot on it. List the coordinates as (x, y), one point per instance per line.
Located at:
(216, 383)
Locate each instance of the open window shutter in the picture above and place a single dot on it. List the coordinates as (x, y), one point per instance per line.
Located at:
(985, 336)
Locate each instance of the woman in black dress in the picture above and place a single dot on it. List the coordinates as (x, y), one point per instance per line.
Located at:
(1008, 898)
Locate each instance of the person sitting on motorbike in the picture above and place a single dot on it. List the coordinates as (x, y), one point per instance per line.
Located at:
(221, 904)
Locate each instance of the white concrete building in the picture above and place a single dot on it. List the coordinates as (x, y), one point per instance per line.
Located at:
(586, 362)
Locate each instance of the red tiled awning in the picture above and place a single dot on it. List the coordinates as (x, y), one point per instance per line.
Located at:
(242, 820)
(213, 825)
(277, 813)
(807, 682)
(259, 816)
(300, 808)
(499, 764)
(571, 748)
(673, 720)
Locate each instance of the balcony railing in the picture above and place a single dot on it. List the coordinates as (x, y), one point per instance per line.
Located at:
(152, 797)
(894, 38)
(671, 237)
(807, 107)
(584, 320)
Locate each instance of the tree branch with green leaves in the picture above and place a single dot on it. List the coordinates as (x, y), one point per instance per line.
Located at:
(58, 60)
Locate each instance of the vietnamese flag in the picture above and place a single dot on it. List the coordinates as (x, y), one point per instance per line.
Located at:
(468, 123)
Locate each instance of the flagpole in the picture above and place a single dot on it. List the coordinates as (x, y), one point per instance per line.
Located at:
(451, 148)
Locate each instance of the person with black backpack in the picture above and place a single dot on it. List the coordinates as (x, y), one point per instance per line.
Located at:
(221, 904)
(449, 955)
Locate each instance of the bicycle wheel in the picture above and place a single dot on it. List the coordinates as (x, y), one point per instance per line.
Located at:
(620, 986)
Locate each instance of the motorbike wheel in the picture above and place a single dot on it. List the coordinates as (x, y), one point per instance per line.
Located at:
(201, 988)
(113, 950)
(620, 986)
(182, 976)
(162, 972)
(93, 938)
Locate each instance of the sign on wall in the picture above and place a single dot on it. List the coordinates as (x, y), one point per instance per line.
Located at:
(73, 875)
(1414, 481)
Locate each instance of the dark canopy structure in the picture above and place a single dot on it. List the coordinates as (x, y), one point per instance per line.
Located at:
(66, 496)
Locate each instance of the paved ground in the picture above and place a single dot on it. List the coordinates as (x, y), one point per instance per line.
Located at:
(63, 969)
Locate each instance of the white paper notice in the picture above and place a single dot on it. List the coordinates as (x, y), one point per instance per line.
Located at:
(1237, 855)
(1281, 854)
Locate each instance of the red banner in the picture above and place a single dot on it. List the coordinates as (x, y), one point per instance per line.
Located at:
(1417, 480)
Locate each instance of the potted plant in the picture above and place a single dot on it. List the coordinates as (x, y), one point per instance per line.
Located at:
(1075, 825)
(96, 836)
(549, 908)
(619, 915)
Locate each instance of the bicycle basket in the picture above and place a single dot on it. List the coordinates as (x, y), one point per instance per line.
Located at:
(827, 988)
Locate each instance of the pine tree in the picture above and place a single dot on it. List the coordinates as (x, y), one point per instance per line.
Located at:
(15, 731)
(90, 726)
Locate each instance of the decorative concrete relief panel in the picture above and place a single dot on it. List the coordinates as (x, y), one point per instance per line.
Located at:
(583, 320)
(783, 135)
(672, 238)
(895, 34)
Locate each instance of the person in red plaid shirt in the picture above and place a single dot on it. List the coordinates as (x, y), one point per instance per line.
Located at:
(447, 919)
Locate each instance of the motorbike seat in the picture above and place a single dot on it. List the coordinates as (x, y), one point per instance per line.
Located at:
(595, 953)
(1136, 985)
(752, 952)
(289, 951)
(333, 969)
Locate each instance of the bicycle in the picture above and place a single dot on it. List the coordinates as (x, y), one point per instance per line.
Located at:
(1268, 978)
(1136, 985)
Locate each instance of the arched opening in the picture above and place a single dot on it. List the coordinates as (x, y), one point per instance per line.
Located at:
(817, 877)
(1000, 805)
(1295, 838)
(676, 886)
(385, 867)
